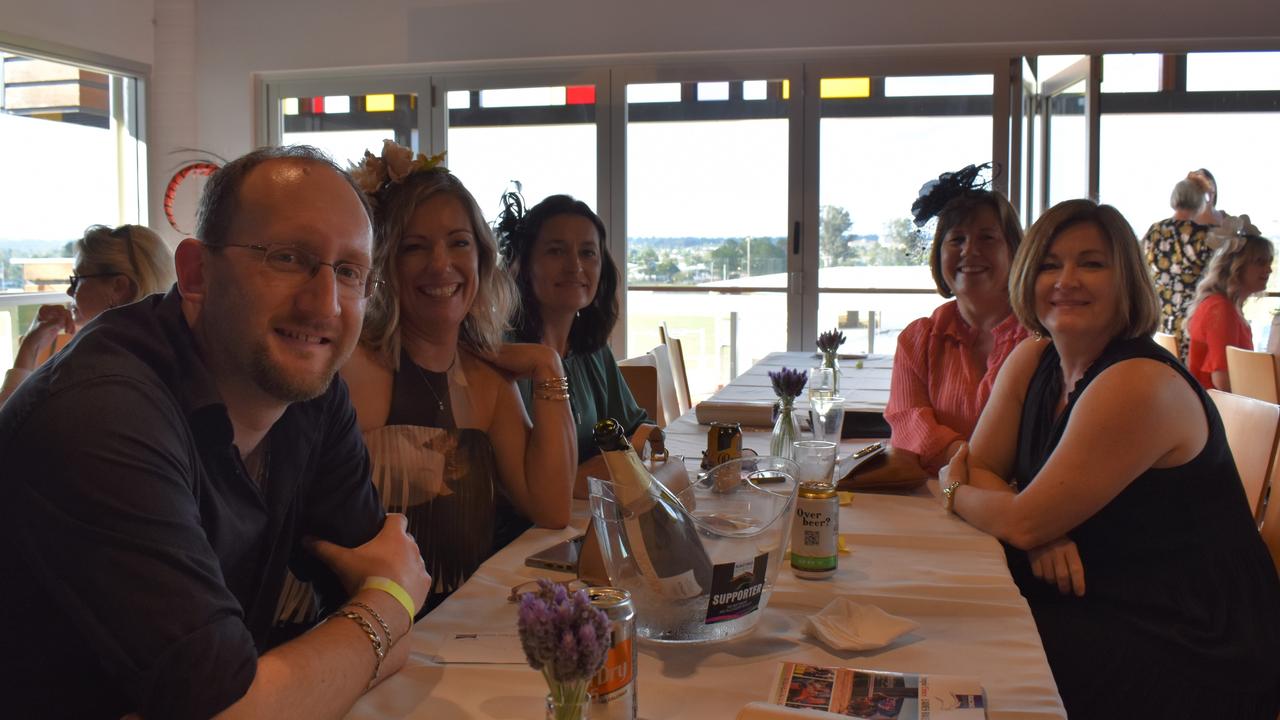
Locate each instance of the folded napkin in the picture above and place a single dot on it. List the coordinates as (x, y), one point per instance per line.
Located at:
(767, 711)
(847, 625)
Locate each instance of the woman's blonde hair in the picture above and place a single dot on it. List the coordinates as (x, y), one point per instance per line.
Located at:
(1226, 269)
(1139, 309)
(486, 321)
(134, 251)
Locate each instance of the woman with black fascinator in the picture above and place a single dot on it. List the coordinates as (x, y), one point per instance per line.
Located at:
(567, 285)
(946, 363)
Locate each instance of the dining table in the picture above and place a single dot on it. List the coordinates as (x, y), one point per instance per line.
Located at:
(748, 399)
(905, 556)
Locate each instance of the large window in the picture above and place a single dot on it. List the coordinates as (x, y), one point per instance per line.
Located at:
(73, 157)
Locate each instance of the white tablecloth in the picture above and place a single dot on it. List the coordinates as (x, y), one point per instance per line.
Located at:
(909, 558)
(748, 398)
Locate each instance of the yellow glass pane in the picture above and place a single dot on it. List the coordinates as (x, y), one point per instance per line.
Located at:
(835, 88)
(786, 89)
(289, 106)
(379, 103)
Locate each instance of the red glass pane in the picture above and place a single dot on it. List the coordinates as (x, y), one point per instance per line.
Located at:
(317, 105)
(580, 95)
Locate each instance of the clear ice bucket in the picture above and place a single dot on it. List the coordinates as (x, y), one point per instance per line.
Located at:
(742, 513)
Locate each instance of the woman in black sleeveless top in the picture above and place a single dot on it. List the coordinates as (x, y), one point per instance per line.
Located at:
(1126, 525)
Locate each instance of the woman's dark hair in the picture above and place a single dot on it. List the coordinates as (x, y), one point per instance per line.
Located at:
(518, 231)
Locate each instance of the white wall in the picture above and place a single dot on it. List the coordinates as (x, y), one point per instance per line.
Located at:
(121, 28)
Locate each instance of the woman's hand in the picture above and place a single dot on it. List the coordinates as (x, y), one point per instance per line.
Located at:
(528, 360)
(50, 320)
(1058, 562)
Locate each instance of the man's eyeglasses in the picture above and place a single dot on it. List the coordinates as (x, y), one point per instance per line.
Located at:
(74, 280)
(354, 280)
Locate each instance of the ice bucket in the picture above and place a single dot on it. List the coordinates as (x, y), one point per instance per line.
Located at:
(742, 513)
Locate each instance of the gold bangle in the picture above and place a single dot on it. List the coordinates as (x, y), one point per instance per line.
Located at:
(378, 652)
(374, 614)
(556, 383)
(949, 497)
(548, 395)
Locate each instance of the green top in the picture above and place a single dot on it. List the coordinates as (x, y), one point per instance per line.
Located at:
(596, 391)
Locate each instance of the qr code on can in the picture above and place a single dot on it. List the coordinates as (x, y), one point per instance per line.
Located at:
(810, 537)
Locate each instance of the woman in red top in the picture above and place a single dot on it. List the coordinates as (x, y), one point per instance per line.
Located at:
(1240, 269)
(946, 363)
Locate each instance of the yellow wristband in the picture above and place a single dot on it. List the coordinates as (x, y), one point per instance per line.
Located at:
(392, 588)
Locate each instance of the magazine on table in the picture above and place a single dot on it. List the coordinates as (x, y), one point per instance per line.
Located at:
(877, 694)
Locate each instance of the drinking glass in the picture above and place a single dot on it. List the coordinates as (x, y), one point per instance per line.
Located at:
(822, 383)
(816, 460)
(826, 417)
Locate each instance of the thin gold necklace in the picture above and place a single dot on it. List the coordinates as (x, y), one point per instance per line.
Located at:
(427, 381)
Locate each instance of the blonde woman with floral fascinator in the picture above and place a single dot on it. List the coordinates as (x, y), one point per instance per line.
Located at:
(433, 383)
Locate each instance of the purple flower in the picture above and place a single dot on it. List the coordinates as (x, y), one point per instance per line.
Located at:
(787, 383)
(830, 341)
(563, 635)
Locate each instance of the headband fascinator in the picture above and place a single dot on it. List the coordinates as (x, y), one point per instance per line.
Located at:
(935, 194)
(508, 227)
(375, 174)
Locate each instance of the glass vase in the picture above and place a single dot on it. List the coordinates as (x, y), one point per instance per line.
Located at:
(832, 360)
(572, 707)
(786, 430)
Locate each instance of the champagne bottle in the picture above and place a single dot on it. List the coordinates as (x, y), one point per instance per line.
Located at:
(663, 538)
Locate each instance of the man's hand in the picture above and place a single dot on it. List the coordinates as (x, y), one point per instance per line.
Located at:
(50, 320)
(392, 553)
(1058, 562)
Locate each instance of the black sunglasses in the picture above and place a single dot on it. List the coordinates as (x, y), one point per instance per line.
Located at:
(74, 280)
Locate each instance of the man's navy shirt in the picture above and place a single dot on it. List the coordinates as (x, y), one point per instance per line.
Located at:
(142, 566)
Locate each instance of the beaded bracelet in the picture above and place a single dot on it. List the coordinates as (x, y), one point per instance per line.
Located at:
(378, 651)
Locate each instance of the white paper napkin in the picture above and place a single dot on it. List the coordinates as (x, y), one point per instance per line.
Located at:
(847, 625)
(488, 648)
(767, 711)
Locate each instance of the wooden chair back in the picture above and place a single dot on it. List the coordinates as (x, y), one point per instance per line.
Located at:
(1167, 341)
(1252, 374)
(1253, 427)
(641, 376)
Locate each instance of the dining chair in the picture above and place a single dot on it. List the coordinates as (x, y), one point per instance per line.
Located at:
(678, 371)
(1252, 374)
(1167, 341)
(1253, 427)
(641, 375)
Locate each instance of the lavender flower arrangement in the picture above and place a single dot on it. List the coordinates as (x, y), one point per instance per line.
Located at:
(566, 638)
(787, 383)
(830, 341)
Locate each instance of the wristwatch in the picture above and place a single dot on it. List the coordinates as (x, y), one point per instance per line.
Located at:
(949, 497)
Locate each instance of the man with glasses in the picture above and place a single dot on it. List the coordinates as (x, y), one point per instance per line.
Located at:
(165, 471)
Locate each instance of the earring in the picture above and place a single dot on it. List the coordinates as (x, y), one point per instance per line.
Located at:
(1037, 336)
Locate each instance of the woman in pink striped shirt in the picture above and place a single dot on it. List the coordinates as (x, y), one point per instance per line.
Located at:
(946, 363)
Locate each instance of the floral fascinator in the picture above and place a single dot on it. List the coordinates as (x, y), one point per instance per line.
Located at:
(375, 174)
(935, 194)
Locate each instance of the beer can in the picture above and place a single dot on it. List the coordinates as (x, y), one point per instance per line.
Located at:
(613, 689)
(815, 531)
(724, 443)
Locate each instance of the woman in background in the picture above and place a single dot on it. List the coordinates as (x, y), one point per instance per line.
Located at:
(1127, 529)
(568, 283)
(946, 363)
(113, 267)
(1239, 270)
(1177, 250)
(432, 380)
